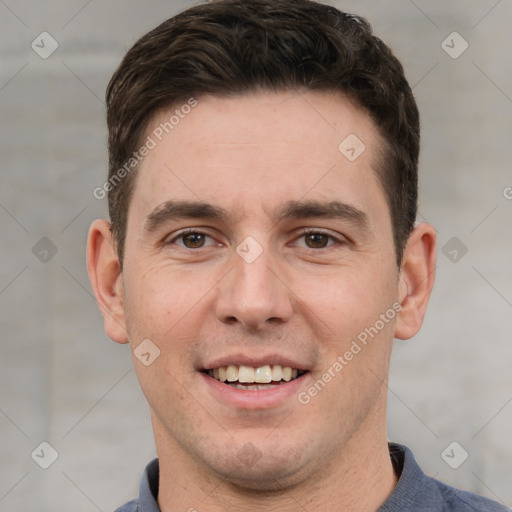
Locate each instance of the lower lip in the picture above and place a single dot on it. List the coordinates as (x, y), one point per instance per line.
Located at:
(254, 399)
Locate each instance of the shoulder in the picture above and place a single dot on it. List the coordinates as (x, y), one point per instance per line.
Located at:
(421, 493)
(458, 500)
(131, 506)
(148, 491)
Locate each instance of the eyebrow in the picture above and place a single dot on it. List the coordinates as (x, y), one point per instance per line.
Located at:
(173, 210)
(317, 209)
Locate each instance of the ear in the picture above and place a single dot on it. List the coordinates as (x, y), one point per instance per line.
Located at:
(417, 275)
(106, 279)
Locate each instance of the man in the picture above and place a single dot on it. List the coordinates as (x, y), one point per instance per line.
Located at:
(261, 257)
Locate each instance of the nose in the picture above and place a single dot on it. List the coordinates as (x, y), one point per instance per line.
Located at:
(254, 294)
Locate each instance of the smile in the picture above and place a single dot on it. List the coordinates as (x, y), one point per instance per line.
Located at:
(251, 378)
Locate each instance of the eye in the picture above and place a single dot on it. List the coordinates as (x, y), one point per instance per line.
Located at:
(316, 240)
(192, 240)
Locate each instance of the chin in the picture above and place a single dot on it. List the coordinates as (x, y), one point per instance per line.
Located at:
(267, 478)
(271, 468)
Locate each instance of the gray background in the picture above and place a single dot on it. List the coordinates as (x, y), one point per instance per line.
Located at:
(62, 380)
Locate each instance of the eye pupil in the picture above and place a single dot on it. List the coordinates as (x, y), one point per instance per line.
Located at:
(313, 240)
(316, 240)
(193, 240)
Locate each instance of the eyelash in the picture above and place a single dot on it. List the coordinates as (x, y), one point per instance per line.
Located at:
(186, 232)
(304, 233)
(310, 231)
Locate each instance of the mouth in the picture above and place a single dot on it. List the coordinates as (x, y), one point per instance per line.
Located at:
(250, 378)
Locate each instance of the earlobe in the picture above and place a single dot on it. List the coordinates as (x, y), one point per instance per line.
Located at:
(417, 275)
(106, 279)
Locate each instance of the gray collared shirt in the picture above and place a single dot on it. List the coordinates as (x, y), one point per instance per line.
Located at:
(415, 491)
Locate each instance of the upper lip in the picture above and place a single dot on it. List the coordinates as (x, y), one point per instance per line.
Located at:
(255, 361)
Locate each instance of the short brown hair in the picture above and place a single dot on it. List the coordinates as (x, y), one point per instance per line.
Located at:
(232, 47)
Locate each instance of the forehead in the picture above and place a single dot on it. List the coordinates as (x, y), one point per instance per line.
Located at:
(260, 150)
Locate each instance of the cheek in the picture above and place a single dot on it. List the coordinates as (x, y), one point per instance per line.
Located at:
(169, 306)
(157, 298)
(349, 299)
(149, 311)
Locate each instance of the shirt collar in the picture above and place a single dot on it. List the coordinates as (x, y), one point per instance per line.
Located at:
(411, 482)
(148, 489)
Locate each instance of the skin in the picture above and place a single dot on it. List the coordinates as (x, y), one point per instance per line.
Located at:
(251, 156)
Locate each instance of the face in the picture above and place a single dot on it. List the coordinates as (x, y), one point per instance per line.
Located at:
(259, 249)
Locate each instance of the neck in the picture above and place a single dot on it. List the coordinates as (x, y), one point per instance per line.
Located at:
(361, 479)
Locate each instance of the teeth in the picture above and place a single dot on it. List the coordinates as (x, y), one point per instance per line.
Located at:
(232, 373)
(249, 375)
(246, 374)
(277, 372)
(263, 374)
(254, 388)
